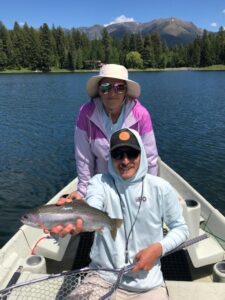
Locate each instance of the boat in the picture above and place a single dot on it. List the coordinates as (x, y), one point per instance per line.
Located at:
(197, 271)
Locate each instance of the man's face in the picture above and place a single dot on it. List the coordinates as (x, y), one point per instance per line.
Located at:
(126, 161)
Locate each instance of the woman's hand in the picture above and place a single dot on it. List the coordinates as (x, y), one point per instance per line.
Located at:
(146, 258)
(68, 198)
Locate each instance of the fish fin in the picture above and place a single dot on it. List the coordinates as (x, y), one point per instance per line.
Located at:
(115, 225)
(118, 223)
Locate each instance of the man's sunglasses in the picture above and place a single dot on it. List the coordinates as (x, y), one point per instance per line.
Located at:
(118, 88)
(118, 154)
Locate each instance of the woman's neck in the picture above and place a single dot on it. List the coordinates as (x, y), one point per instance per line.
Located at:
(114, 116)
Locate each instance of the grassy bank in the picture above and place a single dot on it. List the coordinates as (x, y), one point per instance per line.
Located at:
(54, 70)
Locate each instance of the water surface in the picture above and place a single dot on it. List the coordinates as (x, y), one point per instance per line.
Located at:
(37, 115)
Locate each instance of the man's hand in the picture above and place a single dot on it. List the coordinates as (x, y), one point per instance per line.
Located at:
(72, 229)
(63, 230)
(146, 258)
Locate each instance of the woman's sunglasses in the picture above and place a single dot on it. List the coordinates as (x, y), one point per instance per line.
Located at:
(118, 154)
(118, 88)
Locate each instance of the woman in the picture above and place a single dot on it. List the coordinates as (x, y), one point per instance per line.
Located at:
(114, 105)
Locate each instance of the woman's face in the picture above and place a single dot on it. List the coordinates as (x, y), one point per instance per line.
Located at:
(112, 92)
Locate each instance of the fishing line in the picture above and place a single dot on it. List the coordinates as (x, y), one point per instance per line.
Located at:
(37, 242)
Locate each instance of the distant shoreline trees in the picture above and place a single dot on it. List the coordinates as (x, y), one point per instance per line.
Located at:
(45, 49)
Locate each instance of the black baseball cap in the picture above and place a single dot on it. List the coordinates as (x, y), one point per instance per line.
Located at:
(124, 138)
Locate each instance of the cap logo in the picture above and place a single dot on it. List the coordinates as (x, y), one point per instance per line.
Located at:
(124, 136)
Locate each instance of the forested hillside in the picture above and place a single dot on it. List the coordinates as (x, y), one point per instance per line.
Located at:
(45, 48)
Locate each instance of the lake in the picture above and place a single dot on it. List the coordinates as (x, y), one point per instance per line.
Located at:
(37, 116)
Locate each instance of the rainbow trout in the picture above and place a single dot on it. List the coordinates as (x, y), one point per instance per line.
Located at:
(47, 216)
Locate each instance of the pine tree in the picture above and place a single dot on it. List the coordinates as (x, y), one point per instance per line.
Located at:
(221, 43)
(206, 53)
(194, 53)
(148, 53)
(139, 43)
(31, 48)
(157, 48)
(60, 42)
(46, 48)
(124, 49)
(6, 45)
(3, 57)
(106, 42)
(17, 37)
(132, 43)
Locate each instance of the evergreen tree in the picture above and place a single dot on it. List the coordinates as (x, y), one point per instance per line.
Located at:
(106, 42)
(3, 57)
(221, 43)
(125, 43)
(124, 48)
(114, 56)
(194, 53)
(148, 57)
(139, 43)
(97, 51)
(71, 54)
(85, 46)
(148, 53)
(31, 48)
(46, 48)
(6, 45)
(60, 42)
(19, 56)
(79, 59)
(71, 62)
(206, 53)
(157, 48)
(132, 43)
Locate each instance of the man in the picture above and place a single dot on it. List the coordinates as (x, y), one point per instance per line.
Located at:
(144, 202)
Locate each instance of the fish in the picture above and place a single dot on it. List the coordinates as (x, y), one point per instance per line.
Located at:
(47, 216)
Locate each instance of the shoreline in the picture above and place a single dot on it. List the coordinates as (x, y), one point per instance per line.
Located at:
(27, 71)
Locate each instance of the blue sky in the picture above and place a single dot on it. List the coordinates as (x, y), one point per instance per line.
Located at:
(206, 14)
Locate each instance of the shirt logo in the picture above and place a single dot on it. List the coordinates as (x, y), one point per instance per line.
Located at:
(140, 199)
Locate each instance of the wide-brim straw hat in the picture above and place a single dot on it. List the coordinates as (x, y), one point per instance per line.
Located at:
(113, 71)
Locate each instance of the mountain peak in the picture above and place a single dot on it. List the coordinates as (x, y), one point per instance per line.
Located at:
(172, 30)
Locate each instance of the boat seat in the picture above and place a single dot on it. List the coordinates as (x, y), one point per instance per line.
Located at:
(53, 249)
(47, 247)
(206, 252)
(201, 290)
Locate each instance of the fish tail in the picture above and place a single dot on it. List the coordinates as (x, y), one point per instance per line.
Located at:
(116, 223)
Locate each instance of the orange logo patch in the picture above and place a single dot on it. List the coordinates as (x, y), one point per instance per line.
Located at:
(124, 136)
